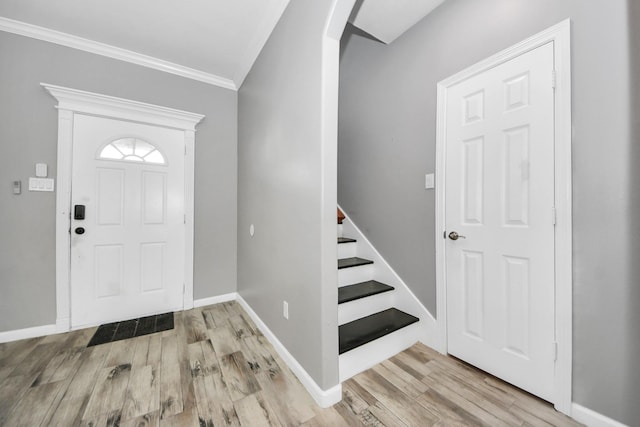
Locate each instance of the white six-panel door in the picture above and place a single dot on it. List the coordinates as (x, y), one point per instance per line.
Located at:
(129, 261)
(500, 200)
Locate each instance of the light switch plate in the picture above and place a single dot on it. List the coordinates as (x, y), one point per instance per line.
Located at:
(41, 184)
(41, 170)
(429, 181)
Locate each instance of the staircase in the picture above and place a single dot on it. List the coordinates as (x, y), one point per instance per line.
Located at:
(371, 329)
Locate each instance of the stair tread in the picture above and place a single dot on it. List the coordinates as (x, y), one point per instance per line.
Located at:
(346, 240)
(361, 290)
(364, 330)
(353, 262)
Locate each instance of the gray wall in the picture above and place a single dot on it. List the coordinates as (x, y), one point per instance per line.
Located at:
(28, 135)
(387, 144)
(632, 298)
(280, 177)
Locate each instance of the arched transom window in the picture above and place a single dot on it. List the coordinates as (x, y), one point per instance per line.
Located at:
(132, 150)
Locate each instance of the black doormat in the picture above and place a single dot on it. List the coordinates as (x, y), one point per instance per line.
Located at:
(117, 331)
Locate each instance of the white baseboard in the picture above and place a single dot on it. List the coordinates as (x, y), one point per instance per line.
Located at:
(215, 300)
(63, 324)
(592, 418)
(21, 334)
(324, 398)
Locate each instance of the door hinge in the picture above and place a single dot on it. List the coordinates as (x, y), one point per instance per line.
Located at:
(553, 79)
(185, 150)
(555, 351)
(554, 216)
(184, 218)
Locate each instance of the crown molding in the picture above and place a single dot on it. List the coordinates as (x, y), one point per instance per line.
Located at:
(91, 46)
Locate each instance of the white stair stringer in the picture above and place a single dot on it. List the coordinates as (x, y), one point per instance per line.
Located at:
(402, 298)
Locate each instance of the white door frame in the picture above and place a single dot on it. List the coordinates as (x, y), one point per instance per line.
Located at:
(560, 36)
(72, 102)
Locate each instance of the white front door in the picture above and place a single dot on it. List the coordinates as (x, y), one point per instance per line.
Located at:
(128, 252)
(500, 201)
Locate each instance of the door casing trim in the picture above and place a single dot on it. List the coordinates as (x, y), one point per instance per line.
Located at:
(72, 102)
(560, 35)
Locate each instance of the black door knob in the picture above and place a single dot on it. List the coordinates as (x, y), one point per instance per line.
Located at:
(80, 230)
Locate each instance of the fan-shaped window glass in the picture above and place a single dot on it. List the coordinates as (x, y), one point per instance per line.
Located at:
(132, 150)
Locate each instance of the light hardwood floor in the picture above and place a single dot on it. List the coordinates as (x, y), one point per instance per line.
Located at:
(216, 369)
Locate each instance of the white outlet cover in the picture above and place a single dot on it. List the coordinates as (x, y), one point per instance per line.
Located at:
(429, 181)
(252, 230)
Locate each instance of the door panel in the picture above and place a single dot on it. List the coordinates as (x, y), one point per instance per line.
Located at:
(154, 197)
(473, 181)
(473, 265)
(499, 198)
(110, 196)
(108, 280)
(516, 179)
(516, 274)
(151, 256)
(130, 260)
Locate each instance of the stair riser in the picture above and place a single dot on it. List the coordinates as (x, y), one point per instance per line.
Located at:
(346, 250)
(366, 356)
(353, 310)
(349, 276)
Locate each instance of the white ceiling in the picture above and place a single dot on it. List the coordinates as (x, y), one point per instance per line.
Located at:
(219, 37)
(216, 41)
(387, 20)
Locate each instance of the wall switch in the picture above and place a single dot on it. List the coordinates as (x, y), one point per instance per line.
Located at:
(429, 181)
(285, 310)
(17, 187)
(41, 184)
(41, 170)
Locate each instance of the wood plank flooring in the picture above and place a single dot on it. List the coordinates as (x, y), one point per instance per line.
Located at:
(216, 369)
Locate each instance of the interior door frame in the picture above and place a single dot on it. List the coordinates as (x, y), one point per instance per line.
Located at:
(560, 35)
(72, 102)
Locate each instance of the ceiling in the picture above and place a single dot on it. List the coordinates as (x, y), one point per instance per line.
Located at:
(216, 41)
(218, 37)
(387, 20)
